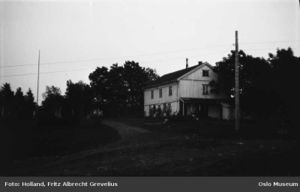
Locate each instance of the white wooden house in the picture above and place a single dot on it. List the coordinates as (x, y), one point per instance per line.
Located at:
(186, 92)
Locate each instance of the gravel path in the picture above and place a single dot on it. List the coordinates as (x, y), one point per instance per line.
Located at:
(124, 130)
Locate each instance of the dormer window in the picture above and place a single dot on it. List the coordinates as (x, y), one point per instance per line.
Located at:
(205, 73)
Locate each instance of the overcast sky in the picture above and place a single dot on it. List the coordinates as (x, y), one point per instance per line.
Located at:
(77, 36)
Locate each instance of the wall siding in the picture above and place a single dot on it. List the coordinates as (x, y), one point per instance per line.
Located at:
(165, 95)
(175, 108)
(146, 110)
(191, 85)
(197, 75)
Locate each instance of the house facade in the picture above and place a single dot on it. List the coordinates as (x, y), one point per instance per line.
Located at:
(186, 92)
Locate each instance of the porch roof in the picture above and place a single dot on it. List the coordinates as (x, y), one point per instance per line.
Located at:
(202, 100)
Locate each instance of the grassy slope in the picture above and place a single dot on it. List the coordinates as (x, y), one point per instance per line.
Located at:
(27, 142)
(184, 148)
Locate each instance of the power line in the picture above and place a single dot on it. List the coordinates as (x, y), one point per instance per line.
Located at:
(54, 63)
(164, 59)
(167, 59)
(98, 59)
(49, 72)
(257, 49)
(268, 42)
(140, 55)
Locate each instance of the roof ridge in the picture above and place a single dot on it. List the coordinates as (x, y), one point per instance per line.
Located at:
(170, 77)
(181, 70)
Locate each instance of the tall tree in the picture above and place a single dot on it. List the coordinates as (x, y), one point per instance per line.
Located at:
(19, 104)
(52, 103)
(117, 89)
(100, 86)
(256, 97)
(7, 100)
(268, 87)
(120, 89)
(285, 78)
(135, 77)
(30, 105)
(79, 99)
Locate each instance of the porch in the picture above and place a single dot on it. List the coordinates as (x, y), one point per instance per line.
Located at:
(201, 108)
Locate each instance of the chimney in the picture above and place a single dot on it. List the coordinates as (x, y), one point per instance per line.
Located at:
(200, 62)
(187, 63)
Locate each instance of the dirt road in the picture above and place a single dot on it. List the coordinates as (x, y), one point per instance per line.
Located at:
(125, 131)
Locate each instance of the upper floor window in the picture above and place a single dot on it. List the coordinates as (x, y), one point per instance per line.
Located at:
(170, 91)
(205, 89)
(205, 73)
(152, 94)
(160, 92)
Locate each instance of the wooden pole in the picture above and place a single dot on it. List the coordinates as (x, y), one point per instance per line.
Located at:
(38, 80)
(237, 86)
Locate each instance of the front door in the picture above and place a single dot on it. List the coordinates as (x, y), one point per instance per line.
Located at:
(203, 110)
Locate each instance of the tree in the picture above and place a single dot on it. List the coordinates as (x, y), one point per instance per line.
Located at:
(255, 73)
(19, 104)
(268, 87)
(7, 99)
(100, 86)
(134, 78)
(285, 78)
(117, 90)
(29, 97)
(52, 104)
(79, 99)
(16, 106)
(120, 90)
(30, 105)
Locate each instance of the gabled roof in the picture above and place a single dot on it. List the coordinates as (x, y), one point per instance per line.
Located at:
(174, 76)
(170, 77)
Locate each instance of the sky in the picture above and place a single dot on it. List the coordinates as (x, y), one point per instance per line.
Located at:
(75, 37)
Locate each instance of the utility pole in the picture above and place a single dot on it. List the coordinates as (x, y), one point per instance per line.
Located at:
(237, 86)
(38, 80)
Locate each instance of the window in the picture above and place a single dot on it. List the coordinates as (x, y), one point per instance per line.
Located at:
(152, 94)
(205, 89)
(160, 93)
(170, 91)
(205, 73)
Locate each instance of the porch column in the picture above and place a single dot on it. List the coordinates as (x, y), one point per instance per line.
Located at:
(183, 108)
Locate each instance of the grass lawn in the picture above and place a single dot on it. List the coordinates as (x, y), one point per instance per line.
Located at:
(27, 142)
(182, 148)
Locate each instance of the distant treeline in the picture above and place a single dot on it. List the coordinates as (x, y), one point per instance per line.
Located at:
(269, 91)
(111, 92)
(16, 105)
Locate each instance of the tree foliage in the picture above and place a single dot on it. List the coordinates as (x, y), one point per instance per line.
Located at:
(255, 76)
(52, 104)
(119, 90)
(114, 91)
(268, 87)
(78, 100)
(16, 105)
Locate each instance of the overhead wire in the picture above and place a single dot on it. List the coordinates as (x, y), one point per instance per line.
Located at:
(141, 55)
